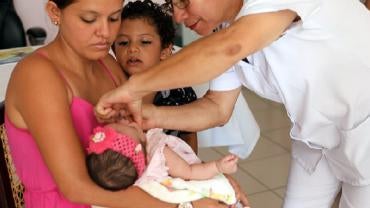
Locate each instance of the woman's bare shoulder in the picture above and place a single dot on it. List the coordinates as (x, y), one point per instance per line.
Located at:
(32, 75)
(113, 65)
(34, 85)
(33, 65)
(34, 71)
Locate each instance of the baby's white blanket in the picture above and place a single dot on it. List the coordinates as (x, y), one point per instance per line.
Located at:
(177, 190)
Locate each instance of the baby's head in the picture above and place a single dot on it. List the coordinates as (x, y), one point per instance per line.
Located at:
(145, 38)
(115, 160)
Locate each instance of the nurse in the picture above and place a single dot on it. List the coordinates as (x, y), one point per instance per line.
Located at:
(311, 55)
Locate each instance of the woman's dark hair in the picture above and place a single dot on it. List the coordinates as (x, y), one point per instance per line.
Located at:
(111, 170)
(155, 15)
(62, 3)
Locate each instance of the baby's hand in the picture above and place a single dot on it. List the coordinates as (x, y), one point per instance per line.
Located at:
(227, 164)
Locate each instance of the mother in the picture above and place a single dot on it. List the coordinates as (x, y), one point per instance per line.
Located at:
(311, 55)
(49, 109)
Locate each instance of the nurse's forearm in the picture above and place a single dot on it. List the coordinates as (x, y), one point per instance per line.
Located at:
(196, 63)
(208, 57)
(214, 109)
(191, 117)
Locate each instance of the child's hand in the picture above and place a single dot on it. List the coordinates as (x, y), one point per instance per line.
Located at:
(227, 164)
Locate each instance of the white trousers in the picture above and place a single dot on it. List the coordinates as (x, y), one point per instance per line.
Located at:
(319, 189)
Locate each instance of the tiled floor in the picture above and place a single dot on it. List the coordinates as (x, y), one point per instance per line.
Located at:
(264, 174)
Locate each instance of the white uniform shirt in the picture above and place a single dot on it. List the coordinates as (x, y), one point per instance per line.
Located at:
(320, 70)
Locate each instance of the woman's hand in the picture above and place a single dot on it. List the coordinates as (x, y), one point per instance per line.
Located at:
(240, 195)
(208, 203)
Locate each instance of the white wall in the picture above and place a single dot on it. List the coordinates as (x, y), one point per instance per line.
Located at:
(32, 14)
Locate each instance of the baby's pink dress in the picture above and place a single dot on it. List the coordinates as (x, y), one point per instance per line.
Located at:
(156, 168)
(40, 188)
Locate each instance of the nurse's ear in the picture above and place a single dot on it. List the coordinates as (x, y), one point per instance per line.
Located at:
(166, 52)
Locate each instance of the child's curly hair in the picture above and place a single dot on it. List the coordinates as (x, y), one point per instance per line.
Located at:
(155, 15)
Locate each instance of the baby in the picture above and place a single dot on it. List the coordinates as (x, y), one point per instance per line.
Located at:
(120, 155)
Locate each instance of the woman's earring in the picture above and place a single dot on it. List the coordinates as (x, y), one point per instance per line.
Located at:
(56, 23)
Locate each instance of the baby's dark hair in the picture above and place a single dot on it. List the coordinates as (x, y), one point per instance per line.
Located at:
(155, 15)
(111, 170)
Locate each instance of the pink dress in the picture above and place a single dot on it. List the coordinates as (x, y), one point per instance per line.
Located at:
(40, 188)
(156, 168)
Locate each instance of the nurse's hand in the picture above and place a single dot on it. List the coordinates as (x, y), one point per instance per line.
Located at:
(117, 113)
(149, 116)
(105, 110)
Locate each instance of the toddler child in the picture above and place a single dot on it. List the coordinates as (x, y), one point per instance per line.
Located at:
(145, 38)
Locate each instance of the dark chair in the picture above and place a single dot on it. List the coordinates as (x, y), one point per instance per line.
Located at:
(11, 190)
(5, 188)
(11, 28)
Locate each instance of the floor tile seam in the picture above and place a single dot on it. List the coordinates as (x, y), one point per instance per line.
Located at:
(274, 190)
(256, 179)
(263, 135)
(274, 129)
(259, 192)
(276, 194)
(265, 158)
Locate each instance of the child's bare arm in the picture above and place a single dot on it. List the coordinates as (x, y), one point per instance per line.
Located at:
(178, 167)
